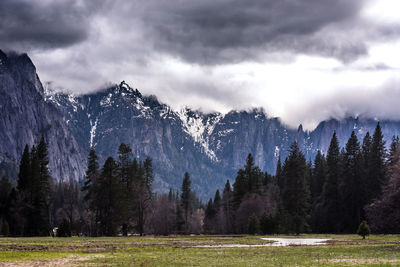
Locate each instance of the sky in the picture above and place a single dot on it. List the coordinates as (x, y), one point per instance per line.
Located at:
(302, 60)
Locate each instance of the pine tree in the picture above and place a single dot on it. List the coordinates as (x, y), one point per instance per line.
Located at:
(253, 225)
(209, 218)
(144, 192)
(32, 210)
(254, 176)
(240, 188)
(394, 146)
(5, 190)
(352, 186)
(44, 192)
(376, 165)
(318, 177)
(330, 195)
(125, 175)
(248, 180)
(107, 198)
(186, 199)
(278, 174)
(179, 218)
(124, 157)
(227, 199)
(92, 173)
(295, 193)
(24, 178)
(267, 224)
(366, 148)
(363, 229)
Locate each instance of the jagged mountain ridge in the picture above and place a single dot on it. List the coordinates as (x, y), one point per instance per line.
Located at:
(183, 140)
(121, 114)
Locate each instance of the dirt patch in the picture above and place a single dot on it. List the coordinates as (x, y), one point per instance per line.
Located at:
(364, 261)
(75, 260)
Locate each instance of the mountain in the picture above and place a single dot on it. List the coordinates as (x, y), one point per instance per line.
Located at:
(121, 114)
(26, 116)
(210, 146)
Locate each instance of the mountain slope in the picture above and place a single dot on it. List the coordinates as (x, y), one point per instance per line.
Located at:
(26, 116)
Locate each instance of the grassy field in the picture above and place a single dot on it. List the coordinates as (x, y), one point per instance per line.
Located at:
(343, 250)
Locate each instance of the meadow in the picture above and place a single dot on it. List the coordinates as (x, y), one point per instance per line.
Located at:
(341, 250)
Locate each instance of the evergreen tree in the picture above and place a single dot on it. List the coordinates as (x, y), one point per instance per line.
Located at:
(18, 212)
(209, 218)
(125, 175)
(186, 199)
(240, 187)
(363, 229)
(32, 209)
(394, 146)
(179, 218)
(5, 190)
(107, 198)
(217, 200)
(295, 193)
(267, 224)
(278, 174)
(227, 199)
(143, 192)
(376, 165)
(384, 213)
(42, 202)
(92, 173)
(253, 225)
(248, 180)
(24, 178)
(124, 164)
(254, 176)
(318, 176)
(366, 148)
(352, 186)
(330, 195)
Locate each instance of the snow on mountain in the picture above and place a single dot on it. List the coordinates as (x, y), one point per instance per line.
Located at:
(200, 127)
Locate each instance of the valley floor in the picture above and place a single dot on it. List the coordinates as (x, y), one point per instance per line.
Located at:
(341, 250)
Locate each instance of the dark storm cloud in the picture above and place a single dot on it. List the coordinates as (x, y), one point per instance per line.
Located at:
(28, 24)
(228, 31)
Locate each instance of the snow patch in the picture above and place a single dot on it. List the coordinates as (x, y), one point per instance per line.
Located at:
(225, 132)
(200, 129)
(106, 101)
(74, 103)
(276, 152)
(93, 131)
(145, 111)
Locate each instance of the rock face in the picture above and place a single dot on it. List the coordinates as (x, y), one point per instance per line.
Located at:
(211, 147)
(26, 116)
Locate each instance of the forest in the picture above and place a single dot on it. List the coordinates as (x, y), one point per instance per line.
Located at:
(334, 193)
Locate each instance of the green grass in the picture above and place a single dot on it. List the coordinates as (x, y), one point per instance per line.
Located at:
(344, 250)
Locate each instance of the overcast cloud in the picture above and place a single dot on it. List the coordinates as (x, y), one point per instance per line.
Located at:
(302, 60)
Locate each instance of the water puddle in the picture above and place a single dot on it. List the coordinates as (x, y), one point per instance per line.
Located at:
(276, 242)
(284, 242)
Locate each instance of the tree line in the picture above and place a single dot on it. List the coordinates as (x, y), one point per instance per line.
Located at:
(334, 193)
